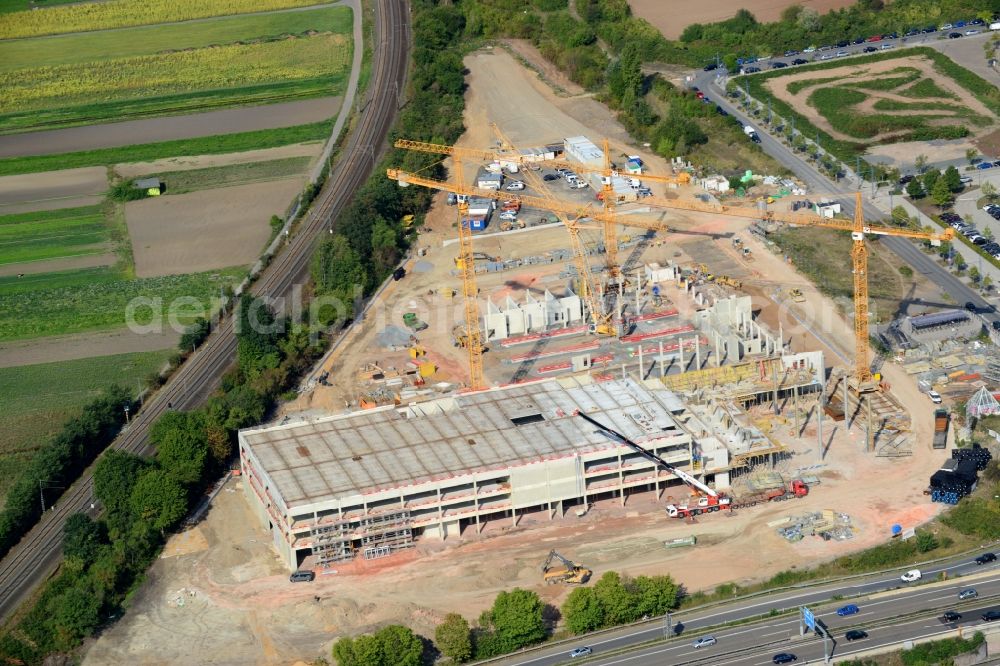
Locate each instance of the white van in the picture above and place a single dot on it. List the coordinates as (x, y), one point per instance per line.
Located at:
(995, 26)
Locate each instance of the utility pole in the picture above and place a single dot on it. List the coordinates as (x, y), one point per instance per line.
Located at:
(666, 626)
(42, 487)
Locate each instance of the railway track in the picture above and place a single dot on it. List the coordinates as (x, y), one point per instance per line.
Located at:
(37, 555)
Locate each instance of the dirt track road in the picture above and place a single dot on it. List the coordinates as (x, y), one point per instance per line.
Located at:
(672, 16)
(151, 130)
(53, 189)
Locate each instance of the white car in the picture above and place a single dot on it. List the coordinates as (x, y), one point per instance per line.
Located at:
(935, 397)
(508, 215)
(842, 54)
(514, 186)
(946, 26)
(886, 47)
(971, 32)
(910, 576)
(809, 49)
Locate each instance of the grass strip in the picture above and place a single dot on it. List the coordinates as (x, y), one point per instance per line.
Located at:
(206, 145)
(192, 180)
(48, 235)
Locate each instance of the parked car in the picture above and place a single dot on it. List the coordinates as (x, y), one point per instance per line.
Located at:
(950, 616)
(991, 615)
(906, 179)
(549, 177)
(841, 54)
(914, 574)
(788, 657)
(581, 652)
(799, 61)
(825, 56)
(849, 609)
(977, 21)
(969, 593)
(859, 40)
(929, 29)
(710, 66)
(514, 186)
(970, 306)
(856, 635)
(751, 70)
(911, 33)
(984, 165)
(959, 24)
(986, 558)
(886, 47)
(778, 64)
(302, 576)
(869, 49)
(508, 216)
(946, 26)
(704, 641)
(789, 54)
(954, 35)
(809, 49)
(972, 32)
(874, 38)
(936, 399)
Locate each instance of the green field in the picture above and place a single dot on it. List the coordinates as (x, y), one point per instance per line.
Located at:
(35, 400)
(208, 145)
(8, 6)
(173, 83)
(147, 40)
(68, 232)
(95, 299)
(192, 180)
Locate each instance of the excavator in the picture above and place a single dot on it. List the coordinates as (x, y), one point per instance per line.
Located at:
(569, 573)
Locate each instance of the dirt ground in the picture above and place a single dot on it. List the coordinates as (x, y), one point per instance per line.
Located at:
(53, 189)
(902, 154)
(201, 231)
(220, 596)
(210, 123)
(84, 345)
(60, 264)
(136, 169)
(799, 100)
(672, 16)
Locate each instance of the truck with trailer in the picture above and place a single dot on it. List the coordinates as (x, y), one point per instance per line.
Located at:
(752, 133)
(940, 428)
(710, 500)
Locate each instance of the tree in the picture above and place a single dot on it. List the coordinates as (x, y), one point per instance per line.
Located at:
(181, 445)
(385, 247)
(257, 333)
(930, 178)
(582, 611)
(388, 646)
(941, 193)
(920, 163)
(453, 638)
(195, 334)
(73, 615)
(988, 233)
(655, 595)
(953, 179)
(336, 270)
(971, 154)
(83, 538)
(616, 599)
(989, 190)
(914, 189)
(926, 542)
(974, 274)
(986, 283)
(158, 499)
(809, 19)
(114, 478)
(515, 620)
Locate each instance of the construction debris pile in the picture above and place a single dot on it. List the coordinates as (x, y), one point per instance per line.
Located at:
(959, 474)
(826, 524)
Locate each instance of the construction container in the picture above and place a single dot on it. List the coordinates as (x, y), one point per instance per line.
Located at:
(427, 369)
(941, 428)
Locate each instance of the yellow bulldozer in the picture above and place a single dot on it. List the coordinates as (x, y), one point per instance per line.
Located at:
(797, 296)
(566, 571)
(729, 282)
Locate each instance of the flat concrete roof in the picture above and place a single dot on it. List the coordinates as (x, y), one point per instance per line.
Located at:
(388, 447)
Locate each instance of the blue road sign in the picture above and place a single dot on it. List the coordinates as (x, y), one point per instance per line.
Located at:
(809, 618)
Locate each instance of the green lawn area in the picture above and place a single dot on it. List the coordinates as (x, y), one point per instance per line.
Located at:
(96, 299)
(8, 6)
(67, 232)
(146, 40)
(208, 145)
(173, 83)
(35, 400)
(179, 182)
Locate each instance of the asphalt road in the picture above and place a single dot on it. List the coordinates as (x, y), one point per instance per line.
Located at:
(695, 623)
(796, 163)
(39, 552)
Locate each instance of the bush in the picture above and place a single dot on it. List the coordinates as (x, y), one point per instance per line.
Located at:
(126, 190)
(194, 334)
(942, 651)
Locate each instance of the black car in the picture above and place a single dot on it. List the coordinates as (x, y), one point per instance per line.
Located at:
(550, 177)
(719, 110)
(751, 70)
(788, 657)
(789, 54)
(856, 635)
(799, 61)
(988, 616)
(970, 306)
(905, 179)
(950, 616)
(977, 22)
(986, 558)
(869, 49)
(859, 40)
(842, 43)
(954, 35)
(929, 29)
(399, 274)
(891, 35)
(778, 65)
(911, 33)
(710, 66)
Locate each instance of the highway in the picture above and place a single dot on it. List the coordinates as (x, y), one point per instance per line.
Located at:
(818, 183)
(39, 552)
(695, 623)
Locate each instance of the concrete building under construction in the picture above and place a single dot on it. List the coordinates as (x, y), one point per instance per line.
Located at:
(370, 482)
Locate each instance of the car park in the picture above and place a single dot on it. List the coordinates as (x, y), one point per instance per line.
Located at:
(986, 558)
(784, 658)
(969, 593)
(914, 574)
(991, 615)
(581, 652)
(950, 616)
(954, 35)
(849, 609)
(704, 641)
(302, 576)
(856, 635)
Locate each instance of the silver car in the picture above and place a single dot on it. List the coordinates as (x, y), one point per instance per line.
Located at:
(704, 641)
(970, 593)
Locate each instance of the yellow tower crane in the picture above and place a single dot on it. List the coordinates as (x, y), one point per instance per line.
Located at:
(857, 227)
(472, 339)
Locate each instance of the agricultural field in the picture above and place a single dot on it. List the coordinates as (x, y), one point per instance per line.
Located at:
(53, 234)
(192, 180)
(912, 95)
(180, 82)
(90, 16)
(35, 400)
(91, 299)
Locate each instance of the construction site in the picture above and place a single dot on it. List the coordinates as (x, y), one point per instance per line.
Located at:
(591, 353)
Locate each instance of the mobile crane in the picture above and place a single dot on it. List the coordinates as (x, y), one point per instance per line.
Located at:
(569, 573)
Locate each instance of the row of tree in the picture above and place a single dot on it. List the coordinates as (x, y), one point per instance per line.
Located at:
(516, 619)
(941, 186)
(143, 498)
(56, 465)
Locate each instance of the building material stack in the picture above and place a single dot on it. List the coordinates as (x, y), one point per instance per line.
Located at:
(955, 479)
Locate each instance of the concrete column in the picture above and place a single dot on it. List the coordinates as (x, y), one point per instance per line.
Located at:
(718, 352)
(680, 350)
(661, 358)
(513, 517)
(642, 367)
(697, 351)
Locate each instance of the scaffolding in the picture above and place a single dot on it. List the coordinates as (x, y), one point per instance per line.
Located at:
(378, 535)
(331, 543)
